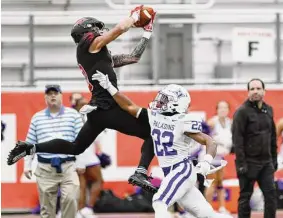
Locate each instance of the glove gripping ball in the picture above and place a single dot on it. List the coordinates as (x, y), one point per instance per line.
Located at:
(145, 16)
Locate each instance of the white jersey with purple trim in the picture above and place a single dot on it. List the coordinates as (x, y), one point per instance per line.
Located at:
(171, 145)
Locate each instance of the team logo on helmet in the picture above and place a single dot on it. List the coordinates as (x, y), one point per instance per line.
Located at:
(179, 93)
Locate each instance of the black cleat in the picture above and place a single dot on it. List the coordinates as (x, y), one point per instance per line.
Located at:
(141, 180)
(21, 150)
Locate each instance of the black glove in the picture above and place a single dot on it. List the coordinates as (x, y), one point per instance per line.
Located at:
(275, 164)
(243, 169)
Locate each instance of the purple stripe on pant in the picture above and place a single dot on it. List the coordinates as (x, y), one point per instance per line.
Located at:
(162, 196)
(179, 184)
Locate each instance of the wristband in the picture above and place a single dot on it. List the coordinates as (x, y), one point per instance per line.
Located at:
(112, 90)
(147, 34)
(135, 16)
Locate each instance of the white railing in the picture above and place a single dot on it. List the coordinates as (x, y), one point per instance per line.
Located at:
(113, 16)
(255, 15)
(125, 11)
(193, 5)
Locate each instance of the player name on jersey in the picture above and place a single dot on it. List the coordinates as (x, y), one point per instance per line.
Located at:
(163, 125)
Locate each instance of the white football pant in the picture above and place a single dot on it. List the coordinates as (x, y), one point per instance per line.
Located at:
(179, 186)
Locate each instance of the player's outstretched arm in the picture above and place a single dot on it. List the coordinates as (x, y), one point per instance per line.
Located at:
(134, 57)
(123, 101)
(203, 166)
(126, 104)
(119, 29)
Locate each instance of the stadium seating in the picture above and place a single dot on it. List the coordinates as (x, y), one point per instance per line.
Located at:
(54, 51)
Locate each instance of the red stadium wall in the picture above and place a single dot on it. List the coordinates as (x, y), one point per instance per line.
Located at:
(24, 195)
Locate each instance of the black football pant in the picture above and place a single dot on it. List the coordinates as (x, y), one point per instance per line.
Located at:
(98, 120)
(264, 175)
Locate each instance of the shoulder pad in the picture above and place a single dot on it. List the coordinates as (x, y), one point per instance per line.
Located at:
(192, 117)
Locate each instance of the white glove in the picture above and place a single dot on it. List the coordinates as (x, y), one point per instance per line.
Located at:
(203, 167)
(135, 13)
(104, 82)
(149, 26)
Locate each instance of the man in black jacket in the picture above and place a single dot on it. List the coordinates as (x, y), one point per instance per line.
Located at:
(254, 138)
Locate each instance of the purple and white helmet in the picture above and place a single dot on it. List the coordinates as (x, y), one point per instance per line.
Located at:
(170, 99)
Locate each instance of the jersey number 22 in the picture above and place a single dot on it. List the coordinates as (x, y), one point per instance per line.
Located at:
(163, 141)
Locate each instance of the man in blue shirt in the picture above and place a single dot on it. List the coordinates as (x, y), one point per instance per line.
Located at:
(55, 171)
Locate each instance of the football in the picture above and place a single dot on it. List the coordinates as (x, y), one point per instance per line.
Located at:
(145, 16)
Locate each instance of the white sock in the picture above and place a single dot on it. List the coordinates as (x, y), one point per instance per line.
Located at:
(161, 210)
(141, 170)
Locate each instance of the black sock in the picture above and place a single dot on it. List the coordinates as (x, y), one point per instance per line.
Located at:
(147, 154)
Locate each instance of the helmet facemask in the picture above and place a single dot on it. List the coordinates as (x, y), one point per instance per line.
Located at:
(171, 99)
(96, 28)
(163, 103)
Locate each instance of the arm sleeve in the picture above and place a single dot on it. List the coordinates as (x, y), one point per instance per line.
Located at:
(125, 59)
(238, 133)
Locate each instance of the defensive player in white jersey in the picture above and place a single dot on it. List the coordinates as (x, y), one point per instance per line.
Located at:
(175, 134)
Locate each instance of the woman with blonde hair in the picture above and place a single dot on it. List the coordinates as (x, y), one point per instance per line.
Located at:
(221, 132)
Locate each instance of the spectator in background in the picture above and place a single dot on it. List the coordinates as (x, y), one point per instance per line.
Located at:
(54, 170)
(254, 139)
(77, 100)
(88, 168)
(220, 126)
(279, 133)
